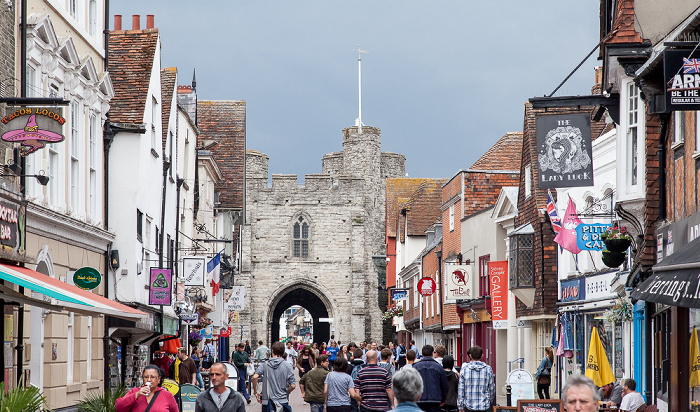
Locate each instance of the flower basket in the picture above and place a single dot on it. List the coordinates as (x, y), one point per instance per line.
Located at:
(620, 312)
(617, 245)
(613, 259)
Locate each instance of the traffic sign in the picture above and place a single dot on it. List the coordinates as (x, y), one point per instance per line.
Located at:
(426, 286)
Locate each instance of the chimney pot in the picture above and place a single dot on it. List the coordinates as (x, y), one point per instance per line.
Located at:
(135, 22)
(117, 22)
(150, 21)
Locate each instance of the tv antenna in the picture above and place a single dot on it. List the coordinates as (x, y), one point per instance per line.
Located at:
(360, 52)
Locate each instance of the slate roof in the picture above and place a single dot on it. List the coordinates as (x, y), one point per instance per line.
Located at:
(397, 189)
(131, 55)
(168, 77)
(423, 207)
(224, 121)
(504, 155)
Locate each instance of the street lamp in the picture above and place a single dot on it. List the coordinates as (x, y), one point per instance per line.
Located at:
(41, 178)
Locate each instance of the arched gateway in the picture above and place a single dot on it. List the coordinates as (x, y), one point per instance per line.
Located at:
(312, 245)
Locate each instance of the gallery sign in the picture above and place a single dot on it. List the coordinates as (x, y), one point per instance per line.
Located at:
(564, 150)
(460, 282)
(588, 236)
(33, 127)
(13, 219)
(160, 291)
(682, 79)
(498, 279)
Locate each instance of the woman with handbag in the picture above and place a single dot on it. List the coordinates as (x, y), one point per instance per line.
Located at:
(150, 397)
(544, 374)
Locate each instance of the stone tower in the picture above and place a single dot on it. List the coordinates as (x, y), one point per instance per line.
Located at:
(330, 271)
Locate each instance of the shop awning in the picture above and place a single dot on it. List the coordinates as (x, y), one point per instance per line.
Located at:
(675, 281)
(67, 297)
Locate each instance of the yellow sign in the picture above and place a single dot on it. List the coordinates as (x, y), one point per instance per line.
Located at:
(694, 360)
(476, 315)
(171, 386)
(597, 366)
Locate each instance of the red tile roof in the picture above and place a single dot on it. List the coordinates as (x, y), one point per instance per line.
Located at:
(504, 155)
(623, 25)
(423, 208)
(224, 121)
(397, 190)
(168, 77)
(131, 55)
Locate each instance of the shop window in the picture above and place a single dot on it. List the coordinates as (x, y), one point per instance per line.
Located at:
(522, 264)
(662, 352)
(484, 275)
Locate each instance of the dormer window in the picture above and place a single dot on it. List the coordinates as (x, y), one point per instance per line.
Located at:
(301, 238)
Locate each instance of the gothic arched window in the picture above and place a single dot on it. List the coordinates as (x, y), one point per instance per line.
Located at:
(301, 238)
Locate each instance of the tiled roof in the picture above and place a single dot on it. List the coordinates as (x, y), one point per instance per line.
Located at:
(623, 25)
(396, 189)
(481, 189)
(168, 77)
(423, 208)
(131, 54)
(224, 122)
(504, 155)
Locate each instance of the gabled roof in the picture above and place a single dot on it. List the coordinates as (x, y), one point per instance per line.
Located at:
(68, 53)
(623, 25)
(507, 203)
(40, 26)
(504, 155)
(87, 70)
(131, 58)
(168, 79)
(423, 208)
(395, 189)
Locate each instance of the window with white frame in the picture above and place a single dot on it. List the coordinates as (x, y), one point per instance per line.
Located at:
(92, 17)
(528, 181)
(147, 233)
(439, 303)
(32, 89)
(92, 167)
(452, 218)
(414, 288)
(679, 130)
(53, 175)
(154, 112)
(75, 156)
(73, 8)
(633, 131)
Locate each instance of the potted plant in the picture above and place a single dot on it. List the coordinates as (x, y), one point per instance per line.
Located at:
(194, 338)
(616, 239)
(101, 402)
(20, 398)
(613, 259)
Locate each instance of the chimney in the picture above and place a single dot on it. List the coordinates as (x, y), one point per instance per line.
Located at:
(135, 22)
(149, 21)
(117, 22)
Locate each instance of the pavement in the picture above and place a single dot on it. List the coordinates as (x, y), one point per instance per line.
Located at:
(295, 400)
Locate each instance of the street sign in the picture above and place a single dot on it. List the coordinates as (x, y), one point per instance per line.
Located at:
(426, 286)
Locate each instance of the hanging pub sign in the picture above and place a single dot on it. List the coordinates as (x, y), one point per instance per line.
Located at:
(160, 291)
(460, 282)
(564, 150)
(33, 127)
(12, 228)
(588, 236)
(682, 79)
(194, 270)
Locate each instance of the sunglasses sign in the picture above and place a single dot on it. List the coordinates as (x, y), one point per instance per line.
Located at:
(33, 128)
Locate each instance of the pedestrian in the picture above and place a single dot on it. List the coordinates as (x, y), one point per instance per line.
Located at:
(241, 360)
(611, 394)
(262, 352)
(544, 374)
(410, 358)
(343, 351)
(332, 352)
(448, 363)
(248, 349)
(632, 400)
(339, 387)
(434, 381)
(386, 361)
(315, 349)
(211, 350)
(306, 361)
(580, 394)
(150, 393)
(311, 385)
(187, 370)
(197, 362)
(408, 387)
(400, 356)
(219, 398)
(414, 347)
(356, 361)
(440, 352)
(374, 386)
(393, 353)
(323, 347)
(278, 381)
(291, 354)
(477, 389)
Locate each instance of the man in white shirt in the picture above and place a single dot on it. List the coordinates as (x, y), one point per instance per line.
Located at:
(631, 400)
(291, 354)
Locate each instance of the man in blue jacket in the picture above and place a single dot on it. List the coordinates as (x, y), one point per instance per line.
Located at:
(434, 381)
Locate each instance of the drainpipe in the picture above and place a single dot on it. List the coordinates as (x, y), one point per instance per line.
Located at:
(166, 167)
(662, 166)
(180, 181)
(107, 138)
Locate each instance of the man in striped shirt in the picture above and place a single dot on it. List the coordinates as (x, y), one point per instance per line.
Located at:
(374, 386)
(476, 388)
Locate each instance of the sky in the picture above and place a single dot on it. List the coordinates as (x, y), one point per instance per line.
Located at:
(443, 80)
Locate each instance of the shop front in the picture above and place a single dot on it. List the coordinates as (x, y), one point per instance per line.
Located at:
(477, 330)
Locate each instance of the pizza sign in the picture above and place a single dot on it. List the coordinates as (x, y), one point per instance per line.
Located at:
(426, 286)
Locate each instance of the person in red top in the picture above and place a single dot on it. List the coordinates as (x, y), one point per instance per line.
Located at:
(137, 399)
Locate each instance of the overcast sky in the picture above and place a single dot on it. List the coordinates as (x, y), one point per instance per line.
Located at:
(444, 80)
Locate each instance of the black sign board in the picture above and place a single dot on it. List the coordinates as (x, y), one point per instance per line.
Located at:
(564, 150)
(539, 405)
(12, 228)
(504, 408)
(682, 79)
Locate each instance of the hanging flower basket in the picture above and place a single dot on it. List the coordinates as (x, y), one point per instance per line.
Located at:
(613, 259)
(617, 245)
(194, 338)
(620, 312)
(395, 311)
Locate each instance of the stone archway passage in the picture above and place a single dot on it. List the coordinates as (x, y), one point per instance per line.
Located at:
(309, 301)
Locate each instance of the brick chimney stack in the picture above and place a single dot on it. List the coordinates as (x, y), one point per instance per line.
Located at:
(117, 22)
(135, 22)
(150, 21)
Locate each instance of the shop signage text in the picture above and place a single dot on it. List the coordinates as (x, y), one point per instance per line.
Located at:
(235, 301)
(426, 286)
(33, 127)
(12, 228)
(397, 295)
(588, 236)
(160, 291)
(87, 278)
(498, 277)
(564, 150)
(194, 270)
(460, 282)
(682, 79)
(598, 286)
(573, 290)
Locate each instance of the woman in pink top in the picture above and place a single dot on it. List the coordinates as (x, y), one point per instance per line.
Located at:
(137, 399)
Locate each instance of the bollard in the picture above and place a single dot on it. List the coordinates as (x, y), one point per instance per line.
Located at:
(508, 395)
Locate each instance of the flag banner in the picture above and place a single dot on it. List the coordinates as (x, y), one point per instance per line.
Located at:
(214, 268)
(682, 75)
(553, 215)
(598, 367)
(567, 237)
(564, 150)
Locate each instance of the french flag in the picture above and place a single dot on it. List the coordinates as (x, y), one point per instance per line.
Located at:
(214, 267)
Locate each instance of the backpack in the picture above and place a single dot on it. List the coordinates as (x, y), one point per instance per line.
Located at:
(355, 371)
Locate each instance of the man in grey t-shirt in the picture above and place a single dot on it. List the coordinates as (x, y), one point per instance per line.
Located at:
(278, 380)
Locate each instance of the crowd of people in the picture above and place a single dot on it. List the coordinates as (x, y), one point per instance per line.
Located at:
(360, 378)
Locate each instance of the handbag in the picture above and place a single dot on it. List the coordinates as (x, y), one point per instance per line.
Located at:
(543, 380)
(153, 399)
(276, 405)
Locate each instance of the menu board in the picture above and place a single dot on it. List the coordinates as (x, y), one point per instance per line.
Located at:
(539, 405)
